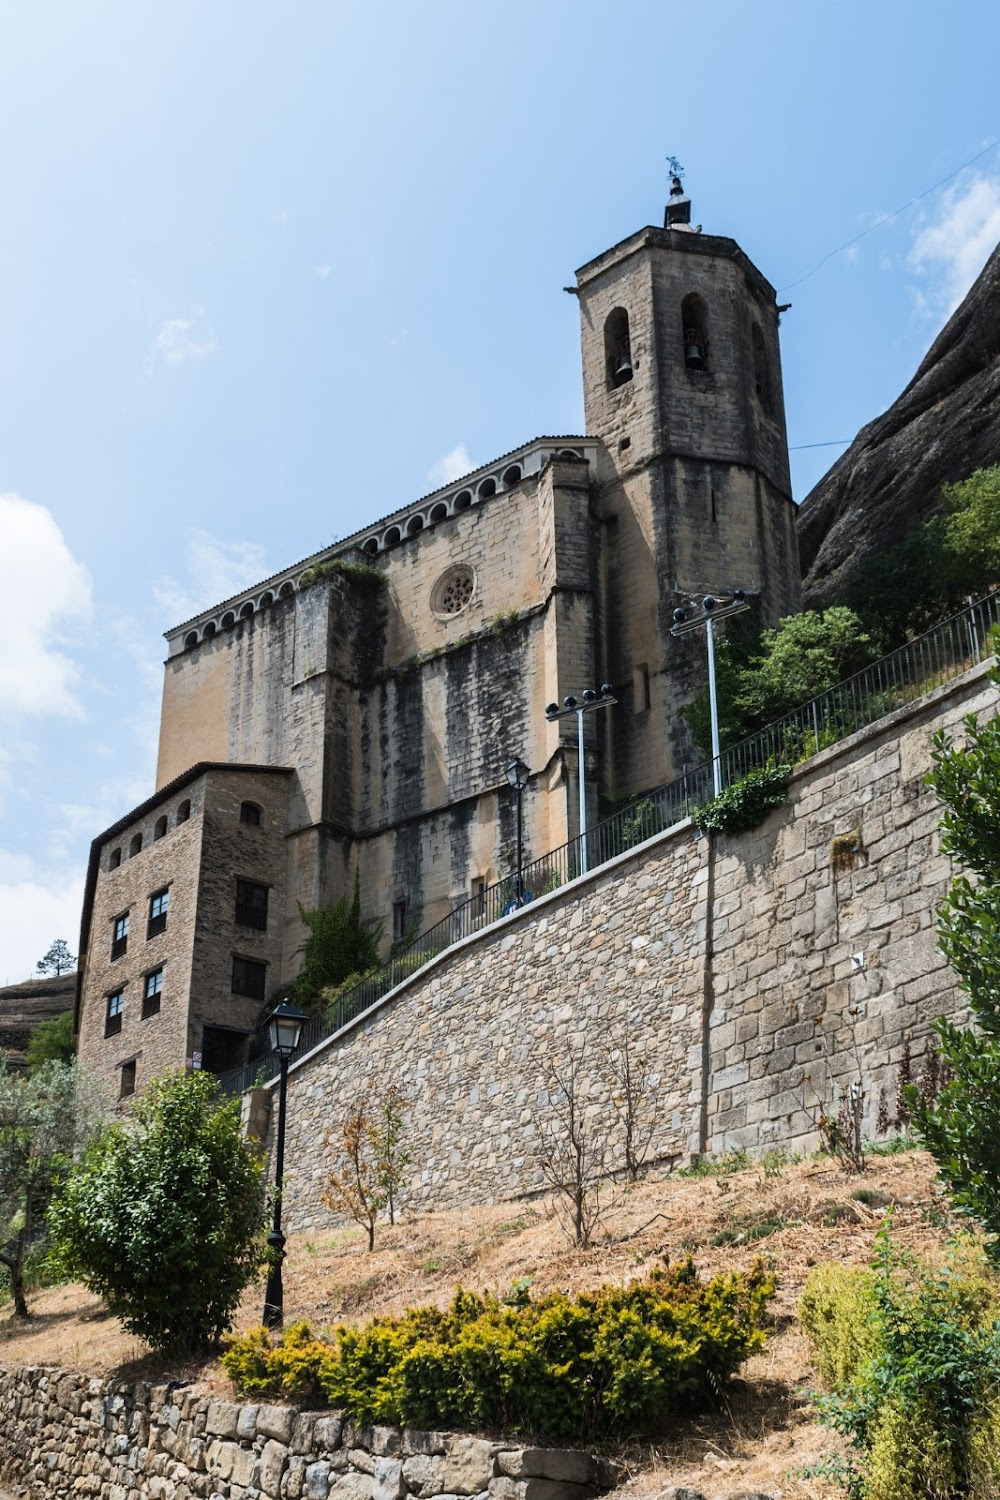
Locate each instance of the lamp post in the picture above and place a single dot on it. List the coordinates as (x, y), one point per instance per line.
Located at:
(587, 702)
(712, 609)
(517, 774)
(284, 1028)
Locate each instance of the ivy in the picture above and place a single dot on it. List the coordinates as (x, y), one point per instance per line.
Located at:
(740, 807)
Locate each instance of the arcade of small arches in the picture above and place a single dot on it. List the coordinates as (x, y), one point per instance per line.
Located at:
(440, 508)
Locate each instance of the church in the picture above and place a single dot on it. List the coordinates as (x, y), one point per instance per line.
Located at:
(356, 711)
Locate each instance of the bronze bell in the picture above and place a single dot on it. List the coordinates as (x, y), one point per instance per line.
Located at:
(623, 370)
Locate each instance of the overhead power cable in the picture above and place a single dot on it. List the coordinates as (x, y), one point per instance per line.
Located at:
(887, 218)
(833, 443)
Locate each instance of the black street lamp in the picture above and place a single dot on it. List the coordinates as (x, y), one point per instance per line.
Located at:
(284, 1027)
(517, 774)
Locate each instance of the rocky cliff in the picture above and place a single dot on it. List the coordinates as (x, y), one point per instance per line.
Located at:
(25, 1006)
(945, 425)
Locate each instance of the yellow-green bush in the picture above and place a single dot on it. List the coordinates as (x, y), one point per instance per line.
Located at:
(616, 1362)
(913, 1355)
(836, 1310)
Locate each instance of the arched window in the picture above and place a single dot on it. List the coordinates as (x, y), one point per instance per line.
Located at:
(617, 348)
(191, 639)
(694, 332)
(761, 370)
(250, 813)
(487, 489)
(511, 476)
(161, 827)
(114, 859)
(288, 589)
(183, 812)
(135, 847)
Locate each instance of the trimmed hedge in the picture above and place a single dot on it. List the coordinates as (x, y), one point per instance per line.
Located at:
(616, 1362)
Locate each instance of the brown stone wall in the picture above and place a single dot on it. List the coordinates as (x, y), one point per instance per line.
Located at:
(752, 973)
(62, 1435)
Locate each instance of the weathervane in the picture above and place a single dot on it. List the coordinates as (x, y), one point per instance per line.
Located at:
(676, 170)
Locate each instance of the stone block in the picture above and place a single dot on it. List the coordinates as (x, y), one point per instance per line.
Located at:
(465, 1469)
(567, 1464)
(317, 1481)
(273, 1462)
(536, 1489)
(246, 1426)
(276, 1422)
(388, 1480)
(352, 1487)
(222, 1419)
(327, 1431)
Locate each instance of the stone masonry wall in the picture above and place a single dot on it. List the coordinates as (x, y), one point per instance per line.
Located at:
(64, 1435)
(750, 973)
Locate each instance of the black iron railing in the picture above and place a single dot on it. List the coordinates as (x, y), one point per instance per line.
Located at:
(902, 677)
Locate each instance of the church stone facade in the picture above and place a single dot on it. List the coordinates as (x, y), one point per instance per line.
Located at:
(366, 700)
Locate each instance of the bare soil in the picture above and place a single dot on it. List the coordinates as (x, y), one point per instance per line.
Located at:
(794, 1215)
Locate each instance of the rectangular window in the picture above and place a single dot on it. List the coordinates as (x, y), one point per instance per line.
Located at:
(157, 913)
(113, 1015)
(128, 1080)
(251, 904)
(119, 942)
(478, 896)
(151, 993)
(249, 978)
(398, 921)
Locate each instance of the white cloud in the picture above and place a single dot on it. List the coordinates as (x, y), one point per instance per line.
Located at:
(46, 594)
(950, 252)
(33, 911)
(323, 272)
(215, 570)
(182, 340)
(452, 466)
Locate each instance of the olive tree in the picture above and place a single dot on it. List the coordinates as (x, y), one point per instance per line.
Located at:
(45, 1118)
(164, 1216)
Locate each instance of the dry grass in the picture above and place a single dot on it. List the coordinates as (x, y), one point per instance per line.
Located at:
(766, 1427)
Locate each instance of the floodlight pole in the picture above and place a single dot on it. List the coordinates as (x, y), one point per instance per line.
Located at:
(588, 701)
(712, 609)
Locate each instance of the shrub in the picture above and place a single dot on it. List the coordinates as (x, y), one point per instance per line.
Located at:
(740, 807)
(339, 946)
(835, 1310)
(617, 1362)
(163, 1217)
(339, 567)
(914, 1356)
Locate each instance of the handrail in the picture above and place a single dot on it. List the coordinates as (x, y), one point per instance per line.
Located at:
(901, 677)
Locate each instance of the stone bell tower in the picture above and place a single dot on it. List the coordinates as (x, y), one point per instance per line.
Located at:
(682, 383)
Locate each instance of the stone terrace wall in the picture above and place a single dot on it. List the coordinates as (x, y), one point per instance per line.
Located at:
(751, 973)
(63, 1435)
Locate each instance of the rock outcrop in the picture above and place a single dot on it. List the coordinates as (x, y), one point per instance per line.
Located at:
(23, 1007)
(945, 425)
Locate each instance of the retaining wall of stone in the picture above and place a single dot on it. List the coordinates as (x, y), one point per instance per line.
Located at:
(754, 977)
(64, 1435)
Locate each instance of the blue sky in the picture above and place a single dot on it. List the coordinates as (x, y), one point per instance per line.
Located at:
(270, 271)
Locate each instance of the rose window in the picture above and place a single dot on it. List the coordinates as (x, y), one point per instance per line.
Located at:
(454, 591)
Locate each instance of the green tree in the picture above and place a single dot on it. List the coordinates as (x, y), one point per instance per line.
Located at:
(962, 1129)
(338, 945)
(759, 681)
(904, 590)
(44, 1119)
(51, 1041)
(972, 529)
(164, 1216)
(58, 960)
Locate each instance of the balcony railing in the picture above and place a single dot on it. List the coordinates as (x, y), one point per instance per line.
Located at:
(902, 677)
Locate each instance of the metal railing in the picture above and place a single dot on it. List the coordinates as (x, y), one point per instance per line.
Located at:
(902, 677)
